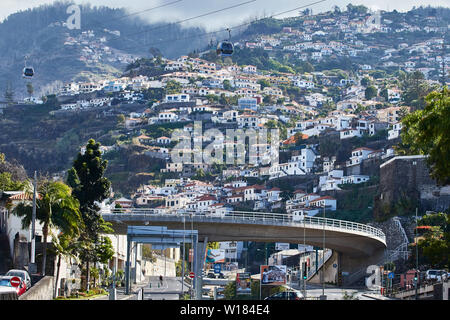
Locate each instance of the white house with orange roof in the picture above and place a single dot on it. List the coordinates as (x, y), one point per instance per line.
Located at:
(202, 203)
(325, 201)
(249, 69)
(359, 155)
(307, 198)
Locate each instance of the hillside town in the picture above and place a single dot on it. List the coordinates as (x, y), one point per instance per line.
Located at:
(334, 150)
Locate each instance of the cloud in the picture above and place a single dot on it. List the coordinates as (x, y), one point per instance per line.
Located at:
(191, 8)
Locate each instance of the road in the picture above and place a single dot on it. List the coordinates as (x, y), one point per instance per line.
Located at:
(169, 289)
(315, 291)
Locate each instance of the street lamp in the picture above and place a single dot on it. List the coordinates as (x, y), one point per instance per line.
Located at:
(184, 255)
(323, 297)
(260, 276)
(304, 275)
(32, 268)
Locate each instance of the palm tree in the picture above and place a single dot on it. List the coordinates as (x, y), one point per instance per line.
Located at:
(55, 208)
(64, 245)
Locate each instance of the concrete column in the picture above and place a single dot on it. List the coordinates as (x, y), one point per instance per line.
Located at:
(199, 262)
(127, 267)
(135, 262)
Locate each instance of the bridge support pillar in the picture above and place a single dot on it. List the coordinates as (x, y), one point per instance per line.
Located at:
(199, 265)
(354, 268)
(127, 267)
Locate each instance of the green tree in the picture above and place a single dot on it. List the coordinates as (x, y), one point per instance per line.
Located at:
(264, 83)
(172, 87)
(415, 89)
(370, 92)
(365, 82)
(426, 132)
(64, 245)
(30, 89)
(8, 184)
(55, 208)
(86, 177)
(121, 120)
(230, 291)
(9, 93)
(435, 245)
(384, 93)
(227, 85)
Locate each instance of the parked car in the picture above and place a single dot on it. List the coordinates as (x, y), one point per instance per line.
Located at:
(437, 275)
(211, 275)
(291, 295)
(8, 293)
(5, 281)
(21, 274)
(221, 276)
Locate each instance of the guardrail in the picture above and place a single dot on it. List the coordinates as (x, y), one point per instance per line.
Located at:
(311, 222)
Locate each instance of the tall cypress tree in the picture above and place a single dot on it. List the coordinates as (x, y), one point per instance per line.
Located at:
(90, 186)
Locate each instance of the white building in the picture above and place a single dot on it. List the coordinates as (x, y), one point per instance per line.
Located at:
(394, 133)
(182, 97)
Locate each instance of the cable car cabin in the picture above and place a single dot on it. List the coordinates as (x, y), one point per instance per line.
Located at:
(225, 49)
(28, 72)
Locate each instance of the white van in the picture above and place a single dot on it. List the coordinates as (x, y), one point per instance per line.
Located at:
(437, 275)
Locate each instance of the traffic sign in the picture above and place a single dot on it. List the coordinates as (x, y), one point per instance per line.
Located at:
(391, 275)
(217, 268)
(191, 275)
(15, 281)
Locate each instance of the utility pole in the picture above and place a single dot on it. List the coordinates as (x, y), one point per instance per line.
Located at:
(193, 256)
(417, 258)
(32, 268)
(304, 272)
(183, 255)
(444, 76)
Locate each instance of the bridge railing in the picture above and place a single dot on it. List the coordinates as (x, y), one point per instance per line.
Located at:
(311, 222)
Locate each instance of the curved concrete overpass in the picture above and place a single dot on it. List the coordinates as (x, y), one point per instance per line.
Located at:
(351, 239)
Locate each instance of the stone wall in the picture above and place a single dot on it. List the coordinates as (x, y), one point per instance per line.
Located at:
(42, 290)
(159, 267)
(21, 253)
(394, 236)
(405, 183)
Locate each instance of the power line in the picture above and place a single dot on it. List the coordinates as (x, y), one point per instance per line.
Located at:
(185, 20)
(98, 23)
(146, 10)
(234, 27)
(203, 15)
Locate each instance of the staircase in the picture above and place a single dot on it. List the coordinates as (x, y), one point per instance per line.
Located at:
(391, 255)
(321, 262)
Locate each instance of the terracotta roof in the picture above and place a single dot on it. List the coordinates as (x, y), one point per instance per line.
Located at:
(217, 205)
(22, 197)
(205, 198)
(363, 148)
(323, 198)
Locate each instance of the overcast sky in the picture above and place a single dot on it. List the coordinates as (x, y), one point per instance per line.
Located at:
(190, 8)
